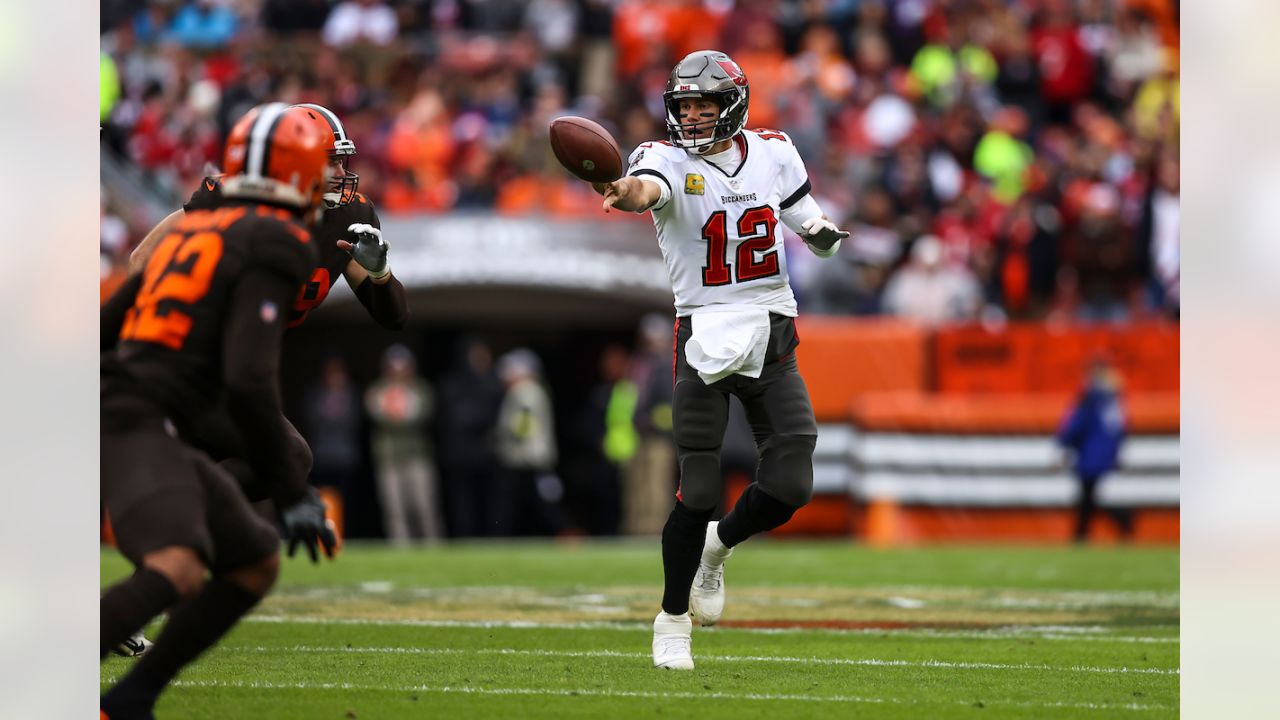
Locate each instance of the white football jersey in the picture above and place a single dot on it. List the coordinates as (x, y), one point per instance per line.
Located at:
(721, 230)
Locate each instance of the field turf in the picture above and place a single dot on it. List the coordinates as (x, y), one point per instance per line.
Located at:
(811, 630)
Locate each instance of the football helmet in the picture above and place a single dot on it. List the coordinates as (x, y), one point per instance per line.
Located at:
(276, 153)
(707, 74)
(342, 188)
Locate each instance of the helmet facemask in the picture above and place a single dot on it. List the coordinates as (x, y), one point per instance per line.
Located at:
(342, 188)
(710, 128)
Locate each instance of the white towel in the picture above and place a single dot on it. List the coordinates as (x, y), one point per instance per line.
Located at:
(727, 340)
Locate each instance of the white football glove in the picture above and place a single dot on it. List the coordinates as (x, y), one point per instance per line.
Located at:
(369, 249)
(822, 236)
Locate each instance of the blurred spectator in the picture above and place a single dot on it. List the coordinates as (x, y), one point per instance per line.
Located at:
(331, 419)
(952, 66)
(957, 110)
(108, 85)
(531, 494)
(1165, 222)
(204, 24)
(355, 21)
(930, 291)
(649, 478)
(470, 393)
(1066, 69)
(1092, 435)
(401, 405)
(610, 441)
(1002, 156)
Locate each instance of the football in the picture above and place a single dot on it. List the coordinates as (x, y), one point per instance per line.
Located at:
(586, 149)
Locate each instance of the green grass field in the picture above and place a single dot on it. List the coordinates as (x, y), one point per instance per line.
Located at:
(811, 630)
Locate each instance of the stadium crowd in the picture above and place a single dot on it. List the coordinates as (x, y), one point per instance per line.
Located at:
(994, 158)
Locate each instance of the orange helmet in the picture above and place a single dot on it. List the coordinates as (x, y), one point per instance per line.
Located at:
(277, 153)
(342, 188)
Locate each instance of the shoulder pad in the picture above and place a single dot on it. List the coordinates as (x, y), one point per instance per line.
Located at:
(775, 135)
(282, 243)
(660, 148)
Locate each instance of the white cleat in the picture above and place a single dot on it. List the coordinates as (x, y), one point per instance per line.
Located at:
(706, 597)
(136, 646)
(673, 642)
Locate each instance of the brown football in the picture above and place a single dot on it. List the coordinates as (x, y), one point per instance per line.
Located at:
(586, 149)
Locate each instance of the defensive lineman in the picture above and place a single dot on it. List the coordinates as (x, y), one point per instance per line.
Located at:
(717, 194)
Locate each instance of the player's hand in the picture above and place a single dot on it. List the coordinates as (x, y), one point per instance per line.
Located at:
(369, 250)
(614, 192)
(821, 233)
(305, 524)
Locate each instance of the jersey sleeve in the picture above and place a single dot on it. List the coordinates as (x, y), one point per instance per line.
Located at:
(646, 161)
(792, 176)
(251, 359)
(206, 197)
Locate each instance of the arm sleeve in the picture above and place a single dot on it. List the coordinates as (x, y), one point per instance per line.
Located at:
(647, 164)
(250, 361)
(793, 178)
(806, 208)
(386, 303)
(112, 313)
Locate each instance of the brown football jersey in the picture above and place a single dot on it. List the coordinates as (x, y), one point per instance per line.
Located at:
(172, 340)
(332, 261)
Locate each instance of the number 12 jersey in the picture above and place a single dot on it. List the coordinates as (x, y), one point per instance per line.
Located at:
(720, 230)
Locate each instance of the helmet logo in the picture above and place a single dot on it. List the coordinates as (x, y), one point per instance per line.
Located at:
(733, 71)
(687, 87)
(588, 165)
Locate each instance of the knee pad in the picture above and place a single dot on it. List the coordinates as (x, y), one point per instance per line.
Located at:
(700, 482)
(786, 468)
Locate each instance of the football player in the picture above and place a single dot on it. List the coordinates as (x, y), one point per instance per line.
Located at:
(204, 321)
(718, 195)
(348, 238)
(350, 244)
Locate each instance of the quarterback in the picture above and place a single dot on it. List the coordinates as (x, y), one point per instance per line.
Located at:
(717, 194)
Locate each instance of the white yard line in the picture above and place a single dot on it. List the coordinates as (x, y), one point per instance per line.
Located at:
(873, 662)
(715, 695)
(997, 633)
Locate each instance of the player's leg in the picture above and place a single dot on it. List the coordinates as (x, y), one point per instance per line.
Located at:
(782, 421)
(781, 417)
(153, 500)
(245, 563)
(700, 415)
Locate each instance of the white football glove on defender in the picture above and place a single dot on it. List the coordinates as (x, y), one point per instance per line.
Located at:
(822, 236)
(369, 250)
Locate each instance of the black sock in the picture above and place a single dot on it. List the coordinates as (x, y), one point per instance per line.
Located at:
(193, 627)
(755, 512)
(682, 539)
(128, 605)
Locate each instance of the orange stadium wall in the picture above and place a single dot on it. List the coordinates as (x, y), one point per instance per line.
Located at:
(892, 378)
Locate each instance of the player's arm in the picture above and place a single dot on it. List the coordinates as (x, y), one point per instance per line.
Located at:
(800, 212)
(141, 254)
(805, 218)
(370, 277)
(631, 193)
(250, 361)
(112, 313)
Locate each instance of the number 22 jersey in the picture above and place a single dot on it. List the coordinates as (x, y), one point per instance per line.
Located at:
(720, 232)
